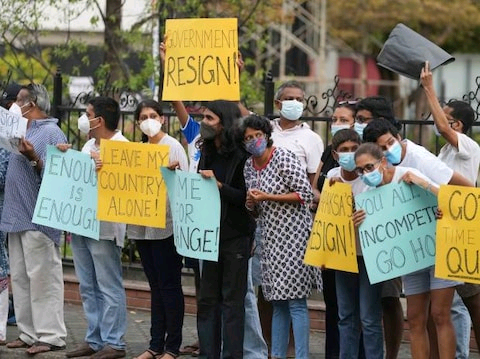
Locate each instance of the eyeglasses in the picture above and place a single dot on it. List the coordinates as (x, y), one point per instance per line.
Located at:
(369, 167)
(362, 119)
(350, 102)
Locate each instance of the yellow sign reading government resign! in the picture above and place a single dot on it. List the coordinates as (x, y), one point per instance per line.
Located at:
(201, 60)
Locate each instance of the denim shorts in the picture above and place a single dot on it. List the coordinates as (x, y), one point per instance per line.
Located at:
(424, 281)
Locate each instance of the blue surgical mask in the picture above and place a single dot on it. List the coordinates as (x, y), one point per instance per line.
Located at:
(394, 153)
(335, 128)
(257, 146)
(346, 160)
(359, 127)
(291, 110)
(372, 179)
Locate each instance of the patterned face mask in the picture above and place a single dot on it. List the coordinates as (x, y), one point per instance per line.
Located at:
(256, 147)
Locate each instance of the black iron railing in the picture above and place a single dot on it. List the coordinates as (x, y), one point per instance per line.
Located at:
(318, 111)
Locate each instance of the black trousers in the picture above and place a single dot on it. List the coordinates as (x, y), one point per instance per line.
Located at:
(332, 342)
(221, 303)
(163, 268)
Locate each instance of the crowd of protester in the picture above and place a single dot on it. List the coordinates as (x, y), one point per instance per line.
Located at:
(270, 175)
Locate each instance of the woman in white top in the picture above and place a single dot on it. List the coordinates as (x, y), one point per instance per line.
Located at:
(161, 262)
(424, 292)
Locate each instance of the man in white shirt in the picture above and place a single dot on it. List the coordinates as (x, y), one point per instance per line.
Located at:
(462, 154)
(290, 133)
(98, 264)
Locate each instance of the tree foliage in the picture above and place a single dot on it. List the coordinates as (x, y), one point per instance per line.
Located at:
(22, 35)
(364, 25)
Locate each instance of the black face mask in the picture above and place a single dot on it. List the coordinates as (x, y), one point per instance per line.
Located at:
(207, 132)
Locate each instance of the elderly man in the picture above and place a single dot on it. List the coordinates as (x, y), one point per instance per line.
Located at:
(35, 262)
(290, 133)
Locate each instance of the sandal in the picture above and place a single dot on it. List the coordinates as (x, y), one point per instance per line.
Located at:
(40, 347)
(17, 343)
(168, 355)
(189, 350)
(150, 354)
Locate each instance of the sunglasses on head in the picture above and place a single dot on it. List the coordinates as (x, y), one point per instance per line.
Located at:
(348, 102)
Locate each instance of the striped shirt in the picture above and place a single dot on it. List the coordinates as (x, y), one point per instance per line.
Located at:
(23, 182)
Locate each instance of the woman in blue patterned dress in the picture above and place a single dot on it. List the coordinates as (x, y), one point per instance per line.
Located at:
(279, 194)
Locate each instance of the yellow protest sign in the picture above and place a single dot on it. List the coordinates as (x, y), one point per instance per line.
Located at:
(201, 60)
(332, 240)
(131, 188)
(458, 234)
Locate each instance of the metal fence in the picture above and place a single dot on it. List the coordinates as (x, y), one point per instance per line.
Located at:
(318, 111)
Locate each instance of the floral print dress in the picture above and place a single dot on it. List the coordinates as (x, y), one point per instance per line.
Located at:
(285, 226)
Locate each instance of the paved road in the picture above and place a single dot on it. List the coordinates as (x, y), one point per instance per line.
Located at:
(138, 336)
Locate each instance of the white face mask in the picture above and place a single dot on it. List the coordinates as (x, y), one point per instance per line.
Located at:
(84, 124)
(15, 109)
(150, 127)
(291, 110)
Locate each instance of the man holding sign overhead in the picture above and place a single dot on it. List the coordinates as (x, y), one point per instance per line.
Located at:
(98, 264)
(462, 154)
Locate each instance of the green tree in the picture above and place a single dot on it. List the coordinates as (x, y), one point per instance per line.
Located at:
(23, 36)
(365, 24)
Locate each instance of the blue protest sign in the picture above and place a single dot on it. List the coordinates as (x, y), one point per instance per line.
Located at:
(195, 205)
(68, 194)
(398, 234)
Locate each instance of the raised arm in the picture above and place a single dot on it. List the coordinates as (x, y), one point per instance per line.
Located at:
(439, 116)
(178, 106)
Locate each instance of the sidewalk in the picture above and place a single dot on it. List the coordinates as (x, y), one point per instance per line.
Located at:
(138, 335)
